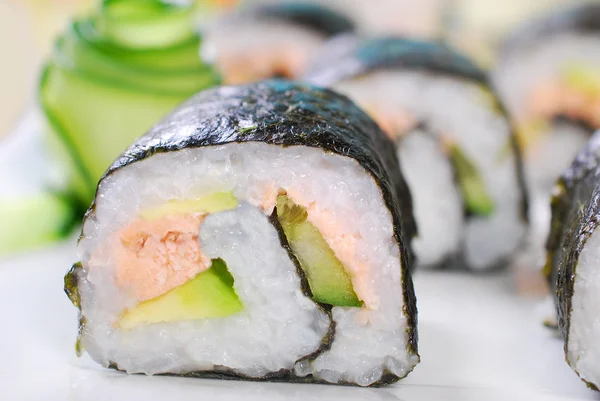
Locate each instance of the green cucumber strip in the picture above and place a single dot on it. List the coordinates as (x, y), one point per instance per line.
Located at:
(87, 60)
(178, 58)
(79, 183)
(327, 278)
(29, 222)
(99, 121)
(145, 24)
(208, 295)
(472, 187)
(74, 184)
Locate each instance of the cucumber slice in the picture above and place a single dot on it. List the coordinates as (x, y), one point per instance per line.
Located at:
(178, 58)
(145, 24)
(99, 120)
(327, 278)
(113, 76)
(472, 187)
(71, 177)
(72, 53)
(208, 295)
(32, 221)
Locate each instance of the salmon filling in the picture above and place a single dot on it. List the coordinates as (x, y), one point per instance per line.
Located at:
(281, 61)
(558, 98)
(159, 255)
(575, 95)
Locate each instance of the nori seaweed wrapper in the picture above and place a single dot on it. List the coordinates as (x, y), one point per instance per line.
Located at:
(575, 216)
(389, 53)
(581, 19)
(284, 113)
(316, 17)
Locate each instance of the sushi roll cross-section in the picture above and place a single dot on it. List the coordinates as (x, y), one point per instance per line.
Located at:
(270, 40)
(548, 74)
(256, 232)
(454, 142)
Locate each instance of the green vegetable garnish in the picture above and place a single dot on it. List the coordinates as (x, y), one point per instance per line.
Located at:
(472, 187)
(327, 278)
(112, 76)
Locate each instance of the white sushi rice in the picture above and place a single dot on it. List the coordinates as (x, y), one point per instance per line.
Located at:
(257, 40)
(462, 111)
(367, 341)
(583, 348)
(423, 160)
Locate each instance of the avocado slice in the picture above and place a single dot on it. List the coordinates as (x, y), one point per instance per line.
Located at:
(472, 187)
(216, 202)
(208, 295)
(327, 279)
(582, 78)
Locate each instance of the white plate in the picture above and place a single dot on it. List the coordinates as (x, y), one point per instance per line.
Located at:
(478, 341)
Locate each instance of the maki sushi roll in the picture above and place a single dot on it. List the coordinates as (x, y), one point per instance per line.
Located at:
(548, 74)
(254, 233)
(270, 40)
(453, 139)
(572, 261)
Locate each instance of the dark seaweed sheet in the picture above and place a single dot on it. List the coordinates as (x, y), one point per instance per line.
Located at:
(327, 341)
(575, 216)
(290, 114)
(389, 53)
(314, 16)
(578, 19)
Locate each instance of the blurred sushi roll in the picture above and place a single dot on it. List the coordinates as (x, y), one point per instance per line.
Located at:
(572, 262)
(548, 75)
(453, 139)
(270, 40)
(254, 233)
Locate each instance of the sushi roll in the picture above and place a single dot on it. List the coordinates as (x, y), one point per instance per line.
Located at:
(548, 74)
(572, 261)
(255, 233)
(270, 40)
(453, 139)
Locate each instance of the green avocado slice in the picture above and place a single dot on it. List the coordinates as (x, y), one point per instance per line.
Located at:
(582, 78)
(208, 295)
(327, 278)
(472, 187)
(215, 202)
